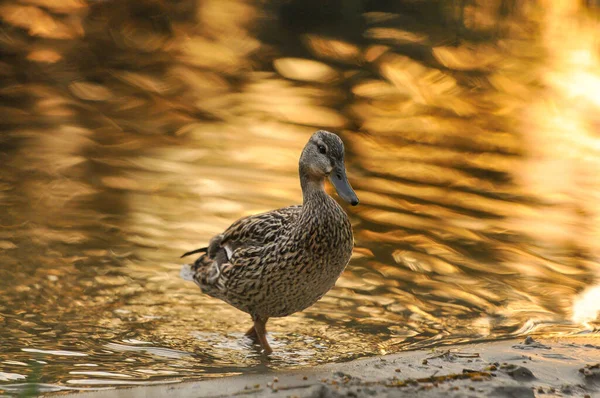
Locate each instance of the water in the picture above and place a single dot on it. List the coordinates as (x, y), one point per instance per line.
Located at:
(134, 133)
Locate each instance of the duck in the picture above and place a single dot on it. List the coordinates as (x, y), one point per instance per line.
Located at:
(277, 263)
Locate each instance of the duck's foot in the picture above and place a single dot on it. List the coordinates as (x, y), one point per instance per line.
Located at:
(261, 334)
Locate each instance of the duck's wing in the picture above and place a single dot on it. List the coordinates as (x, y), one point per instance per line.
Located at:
(259, 229)
(246, 237)
(255, 230)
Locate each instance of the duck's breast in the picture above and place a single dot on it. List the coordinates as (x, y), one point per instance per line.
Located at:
(302, 276)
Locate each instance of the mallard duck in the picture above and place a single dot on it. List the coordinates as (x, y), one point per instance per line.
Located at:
(280, 262)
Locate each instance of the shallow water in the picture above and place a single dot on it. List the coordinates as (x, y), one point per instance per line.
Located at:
(471, 141)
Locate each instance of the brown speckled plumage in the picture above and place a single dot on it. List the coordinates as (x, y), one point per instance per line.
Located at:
(280, 262)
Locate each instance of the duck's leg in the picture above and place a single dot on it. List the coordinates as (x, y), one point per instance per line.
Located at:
(251, 333)
(261, 334)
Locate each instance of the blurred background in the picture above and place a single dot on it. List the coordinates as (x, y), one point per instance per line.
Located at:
(134, 130)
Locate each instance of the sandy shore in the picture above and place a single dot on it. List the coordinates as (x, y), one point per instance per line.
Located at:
(530, 368)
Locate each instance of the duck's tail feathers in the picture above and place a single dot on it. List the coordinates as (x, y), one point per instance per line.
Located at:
(201, 250)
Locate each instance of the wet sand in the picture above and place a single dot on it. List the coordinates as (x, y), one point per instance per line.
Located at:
(511, 368)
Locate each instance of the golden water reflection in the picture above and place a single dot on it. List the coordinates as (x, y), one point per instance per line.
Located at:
(473, 146)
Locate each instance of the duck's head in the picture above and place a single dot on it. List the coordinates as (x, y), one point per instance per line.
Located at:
(323, 156)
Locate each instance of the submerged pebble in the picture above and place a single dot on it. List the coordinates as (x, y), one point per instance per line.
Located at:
(521, 373)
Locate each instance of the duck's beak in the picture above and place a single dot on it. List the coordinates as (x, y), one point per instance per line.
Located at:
(342, 185)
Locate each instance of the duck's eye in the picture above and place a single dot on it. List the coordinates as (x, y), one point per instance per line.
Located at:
(322, 149)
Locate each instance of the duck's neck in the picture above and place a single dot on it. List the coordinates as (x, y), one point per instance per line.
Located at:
(313, 190)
